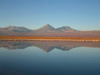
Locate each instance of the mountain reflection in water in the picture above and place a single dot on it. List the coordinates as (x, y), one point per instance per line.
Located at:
(47, 46)
(27, 58)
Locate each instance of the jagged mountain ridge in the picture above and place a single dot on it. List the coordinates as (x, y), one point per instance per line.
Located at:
(47, 27)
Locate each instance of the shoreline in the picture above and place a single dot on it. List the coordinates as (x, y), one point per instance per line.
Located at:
(30, 38)
(48, 40)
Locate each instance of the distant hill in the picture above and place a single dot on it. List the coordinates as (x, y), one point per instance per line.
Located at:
(65, 28)
(15, 29)
(48, 31)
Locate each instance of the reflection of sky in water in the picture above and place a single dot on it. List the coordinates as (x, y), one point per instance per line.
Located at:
(32, 60)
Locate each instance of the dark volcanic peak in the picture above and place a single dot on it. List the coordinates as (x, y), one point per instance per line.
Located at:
(65, 28)
(47, 27)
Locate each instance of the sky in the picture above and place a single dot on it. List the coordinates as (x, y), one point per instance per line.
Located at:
(33, 14)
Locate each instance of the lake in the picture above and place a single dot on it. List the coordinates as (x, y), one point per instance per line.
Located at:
(49, 58)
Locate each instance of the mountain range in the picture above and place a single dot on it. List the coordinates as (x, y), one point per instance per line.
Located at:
(48, 31)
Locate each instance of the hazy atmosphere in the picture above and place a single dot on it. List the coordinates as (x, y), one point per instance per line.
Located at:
(33, 14)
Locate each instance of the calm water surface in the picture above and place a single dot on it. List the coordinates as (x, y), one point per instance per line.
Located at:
(49, 58)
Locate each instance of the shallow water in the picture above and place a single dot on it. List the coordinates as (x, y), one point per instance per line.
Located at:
(49, 58)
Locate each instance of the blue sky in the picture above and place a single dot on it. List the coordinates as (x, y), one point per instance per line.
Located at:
(33, 14)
